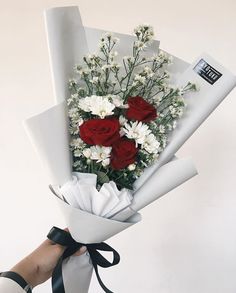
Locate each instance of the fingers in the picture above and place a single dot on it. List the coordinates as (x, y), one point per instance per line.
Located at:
(61, 248)
(50, 242)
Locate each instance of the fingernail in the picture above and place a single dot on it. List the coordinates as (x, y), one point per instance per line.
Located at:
(83, 249)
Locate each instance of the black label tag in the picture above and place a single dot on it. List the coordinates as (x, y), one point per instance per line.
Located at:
(206, 71)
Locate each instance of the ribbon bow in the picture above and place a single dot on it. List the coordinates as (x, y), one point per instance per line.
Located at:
(64, 238)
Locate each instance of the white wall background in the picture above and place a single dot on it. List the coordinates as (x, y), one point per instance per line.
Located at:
(186, 242)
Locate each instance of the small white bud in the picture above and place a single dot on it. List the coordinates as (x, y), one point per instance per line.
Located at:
(131, 167)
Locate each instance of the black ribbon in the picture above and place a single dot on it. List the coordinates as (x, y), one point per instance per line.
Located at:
(63, 238)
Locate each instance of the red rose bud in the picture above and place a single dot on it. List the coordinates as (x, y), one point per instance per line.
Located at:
(140, 110)
(123, 153)
(100, 131)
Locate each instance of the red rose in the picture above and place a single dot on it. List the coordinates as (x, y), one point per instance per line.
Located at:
(140, 110)
(100, 131)
(123, 153)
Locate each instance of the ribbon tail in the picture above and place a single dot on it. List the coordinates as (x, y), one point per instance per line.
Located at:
(100, 280)
(57, 278)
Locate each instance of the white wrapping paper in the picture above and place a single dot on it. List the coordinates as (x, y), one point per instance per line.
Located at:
(81, 193)
(68, 41)
(48, 132)
(166, 178)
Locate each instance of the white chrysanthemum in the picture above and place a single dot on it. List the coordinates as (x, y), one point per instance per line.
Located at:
(137, 131)
(87, 153)
(106, 162)
(101, 154)
(101, 106)
(85, 104)
(97, 105)
(151, 144)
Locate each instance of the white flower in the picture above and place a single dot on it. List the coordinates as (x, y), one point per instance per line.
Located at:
(146, 30)
(122, 120)
(101, 107)
(131, 167)
(140, 78)
(164, 142)
(140, 45)
(84, 71)
(108, 35)
(162, 57)
(180, 112)
(162, 129)
(115, 65)
(148, 71)
(97, 105)
(85, 104)
(106, 66)
(151, 144)
(129, 59)
(77, 153)
(101, 154)
(87, 153)
(77, 143)
(73, 98)
(137, 131)
(72, 82)
(94, 80)
(172, 110)
(106, 162)
(113, 54)
(134, 83)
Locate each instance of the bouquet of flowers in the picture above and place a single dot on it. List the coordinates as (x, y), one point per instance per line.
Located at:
(121, 114)
(110, 151)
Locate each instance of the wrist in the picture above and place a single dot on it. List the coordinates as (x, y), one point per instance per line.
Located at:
(17, 278)
(27, 271)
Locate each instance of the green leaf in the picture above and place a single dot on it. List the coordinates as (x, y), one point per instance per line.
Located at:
(102, 177)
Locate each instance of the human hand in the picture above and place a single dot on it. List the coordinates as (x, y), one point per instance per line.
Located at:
(37, 267)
